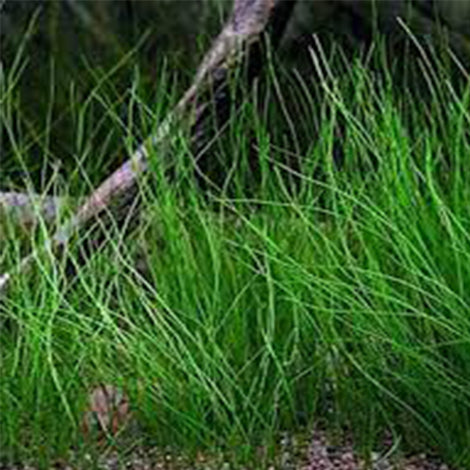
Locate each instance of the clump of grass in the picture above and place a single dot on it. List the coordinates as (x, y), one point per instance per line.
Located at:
(333, 294)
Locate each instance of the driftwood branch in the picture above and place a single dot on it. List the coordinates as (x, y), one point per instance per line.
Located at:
(238, 43)
(26, 209)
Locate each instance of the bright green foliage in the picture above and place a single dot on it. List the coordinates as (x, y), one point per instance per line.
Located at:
(332, 293)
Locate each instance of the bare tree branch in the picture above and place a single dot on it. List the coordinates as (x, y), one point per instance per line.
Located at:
(240, 36)
(27, 209)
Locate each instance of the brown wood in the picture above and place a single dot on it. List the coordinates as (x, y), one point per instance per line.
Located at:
(27, 208)
(238, 42)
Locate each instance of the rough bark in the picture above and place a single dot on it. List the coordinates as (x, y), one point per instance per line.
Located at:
(240, 37)
(26, 208)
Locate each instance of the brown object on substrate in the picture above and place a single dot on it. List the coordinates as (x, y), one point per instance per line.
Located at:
(107, 412)
(237, 44)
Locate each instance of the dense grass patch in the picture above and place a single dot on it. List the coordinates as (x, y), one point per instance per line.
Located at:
(315, 292)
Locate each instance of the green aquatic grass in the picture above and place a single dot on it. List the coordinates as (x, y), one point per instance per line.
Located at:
(314, 292)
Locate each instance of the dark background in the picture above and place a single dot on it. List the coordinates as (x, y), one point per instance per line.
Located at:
(73, 45)
(77, 49)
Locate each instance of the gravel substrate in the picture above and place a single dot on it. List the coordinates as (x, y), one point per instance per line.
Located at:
(313, 452)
